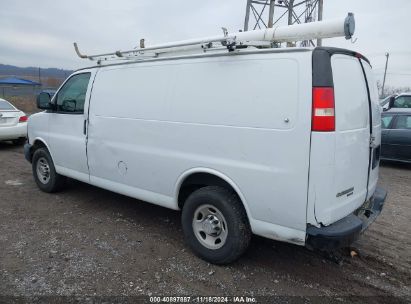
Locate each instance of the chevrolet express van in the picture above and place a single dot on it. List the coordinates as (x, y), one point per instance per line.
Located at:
(282, 143)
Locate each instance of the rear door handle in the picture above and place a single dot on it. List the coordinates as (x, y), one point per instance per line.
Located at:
(85, 127)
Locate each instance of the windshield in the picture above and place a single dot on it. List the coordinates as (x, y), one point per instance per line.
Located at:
(4, 105)
(402, 102)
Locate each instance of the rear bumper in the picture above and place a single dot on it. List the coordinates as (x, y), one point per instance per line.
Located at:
(345, 231)
(14, 132)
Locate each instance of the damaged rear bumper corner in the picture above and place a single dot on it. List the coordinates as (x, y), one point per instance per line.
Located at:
(345, 231)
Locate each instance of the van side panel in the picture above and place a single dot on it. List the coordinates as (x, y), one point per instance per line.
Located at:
(246, 117)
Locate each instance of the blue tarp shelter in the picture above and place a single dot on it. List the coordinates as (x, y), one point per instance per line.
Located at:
(14, 81)
(13, 86)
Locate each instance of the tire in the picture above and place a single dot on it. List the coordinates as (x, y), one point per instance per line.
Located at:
(44, 172)
(20, 141)
(202, 232)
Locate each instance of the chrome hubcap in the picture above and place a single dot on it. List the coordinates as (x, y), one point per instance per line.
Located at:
(210, 227)
(43, 170)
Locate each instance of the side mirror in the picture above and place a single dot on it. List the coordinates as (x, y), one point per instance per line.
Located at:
(44, 101)
(391, 102)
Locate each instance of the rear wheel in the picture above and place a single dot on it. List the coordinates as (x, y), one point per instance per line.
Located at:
(44, 172)
(215, 225)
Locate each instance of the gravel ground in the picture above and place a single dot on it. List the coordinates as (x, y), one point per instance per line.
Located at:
(86, 241)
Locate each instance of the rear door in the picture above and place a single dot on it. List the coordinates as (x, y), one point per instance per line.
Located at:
(352, 134)
(340, 159)
(375, 127)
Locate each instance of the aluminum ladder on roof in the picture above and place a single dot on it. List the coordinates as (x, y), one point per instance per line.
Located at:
(343, 27)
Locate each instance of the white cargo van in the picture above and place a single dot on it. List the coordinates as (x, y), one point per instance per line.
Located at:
(281, 143)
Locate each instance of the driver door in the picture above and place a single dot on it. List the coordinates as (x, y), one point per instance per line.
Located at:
(68, 127)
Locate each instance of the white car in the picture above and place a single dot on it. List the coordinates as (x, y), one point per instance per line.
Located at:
(13, 123)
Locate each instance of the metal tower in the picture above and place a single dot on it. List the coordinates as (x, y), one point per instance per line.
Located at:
(267, 13)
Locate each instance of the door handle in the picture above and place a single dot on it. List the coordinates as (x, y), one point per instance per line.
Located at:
(85, 127)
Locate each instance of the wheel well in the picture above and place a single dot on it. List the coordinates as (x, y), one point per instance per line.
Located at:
(197, 181)
(37, 145)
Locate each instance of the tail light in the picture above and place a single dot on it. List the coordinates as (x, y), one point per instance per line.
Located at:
(23, 119)
(323, 116)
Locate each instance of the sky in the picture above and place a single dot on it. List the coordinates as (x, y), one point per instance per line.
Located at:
(41, 33)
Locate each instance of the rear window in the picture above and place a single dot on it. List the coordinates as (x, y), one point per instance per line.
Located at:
(4, 105)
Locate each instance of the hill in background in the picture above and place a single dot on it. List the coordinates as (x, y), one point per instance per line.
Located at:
(25, 98)
(32, 73)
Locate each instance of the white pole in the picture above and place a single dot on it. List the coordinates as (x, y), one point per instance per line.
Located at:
(387, 55)
(320, 18)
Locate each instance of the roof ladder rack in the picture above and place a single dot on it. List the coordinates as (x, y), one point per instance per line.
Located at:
(343, 27)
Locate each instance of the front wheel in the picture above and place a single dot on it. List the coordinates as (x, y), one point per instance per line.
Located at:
(44, 172)
(215, 225)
